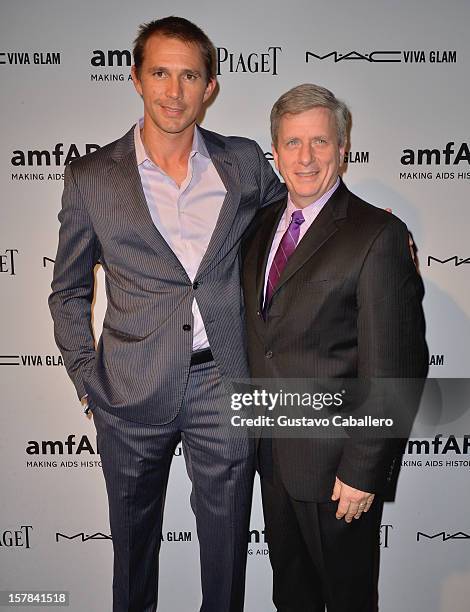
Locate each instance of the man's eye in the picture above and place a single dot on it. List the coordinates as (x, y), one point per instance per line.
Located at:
(190, 76)
(159, 74)
(292, 143)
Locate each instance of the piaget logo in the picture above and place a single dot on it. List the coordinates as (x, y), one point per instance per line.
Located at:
(254, 62)
(16, 538)
(385, 533)
(8, 261)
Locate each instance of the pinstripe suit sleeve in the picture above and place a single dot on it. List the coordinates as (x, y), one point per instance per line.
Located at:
(73, 285)
(271, 189)
(391, 343)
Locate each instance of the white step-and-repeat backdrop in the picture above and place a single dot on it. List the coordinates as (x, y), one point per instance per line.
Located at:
(403, 67)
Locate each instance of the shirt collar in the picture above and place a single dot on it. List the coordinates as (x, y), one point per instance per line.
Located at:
(314, 208)
(198, 146)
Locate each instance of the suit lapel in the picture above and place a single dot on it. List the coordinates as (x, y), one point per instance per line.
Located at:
(126, 178)
(321, 230)
(125, 175)
(227, 168)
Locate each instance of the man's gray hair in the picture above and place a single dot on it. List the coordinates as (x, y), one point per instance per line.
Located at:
(305, 97)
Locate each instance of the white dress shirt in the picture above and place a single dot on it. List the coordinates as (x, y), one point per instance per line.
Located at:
(310, 213)
(185, 215)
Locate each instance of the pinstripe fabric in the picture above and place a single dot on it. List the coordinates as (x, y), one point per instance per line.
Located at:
(186, 214)
(140, 368)
(347, 305)
(136, 460)
(142, 390)
(317, 559)
(310, 213)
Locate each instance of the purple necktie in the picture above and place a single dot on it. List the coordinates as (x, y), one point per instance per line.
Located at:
(284, 251)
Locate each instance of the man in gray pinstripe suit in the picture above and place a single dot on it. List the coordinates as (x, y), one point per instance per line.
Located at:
(163, 210)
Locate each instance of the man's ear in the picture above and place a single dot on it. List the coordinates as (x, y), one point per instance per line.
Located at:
(342, 151)
(275, 155)
(136, 80)
(209, 89)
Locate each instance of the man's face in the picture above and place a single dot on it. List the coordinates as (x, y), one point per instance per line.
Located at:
(307, 154)
(173, 83)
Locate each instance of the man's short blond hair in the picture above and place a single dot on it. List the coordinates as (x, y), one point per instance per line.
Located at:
(305, 97)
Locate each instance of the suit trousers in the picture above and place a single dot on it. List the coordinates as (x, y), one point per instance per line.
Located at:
(136, 461)
(318, 560)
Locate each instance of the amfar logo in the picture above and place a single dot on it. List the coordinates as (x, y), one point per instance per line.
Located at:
(111, 57)
(387, 57)
(70, 446)
(257, 543)
(56, 156)
(458, 261)
(442, 536)
(255, 536)
(449, 155)
(440, 445)
(25, 58)
(7, 262)
(254, 62)
(16, 538)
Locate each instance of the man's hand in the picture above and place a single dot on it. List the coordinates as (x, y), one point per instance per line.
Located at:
(84, 403)
(352, 502)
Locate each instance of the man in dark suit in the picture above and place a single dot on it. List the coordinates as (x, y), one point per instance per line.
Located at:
(331, 292)
(163, 210)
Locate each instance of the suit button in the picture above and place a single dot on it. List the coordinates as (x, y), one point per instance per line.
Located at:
(195, 284)
(268, 354)
(187, 327)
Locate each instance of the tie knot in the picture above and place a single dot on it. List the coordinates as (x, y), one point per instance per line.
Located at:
(298, 217)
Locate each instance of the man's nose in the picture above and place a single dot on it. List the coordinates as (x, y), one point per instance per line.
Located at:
(174, 89)
(306, 154)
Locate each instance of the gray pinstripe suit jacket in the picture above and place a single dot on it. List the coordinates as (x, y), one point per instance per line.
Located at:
(141, 364)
